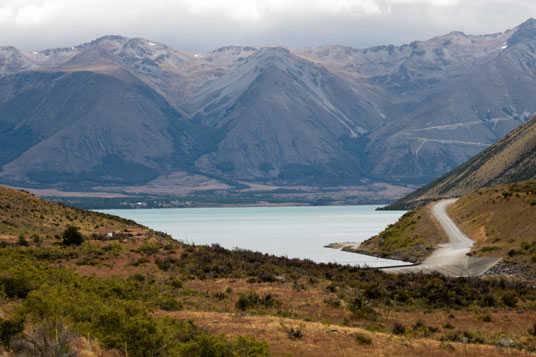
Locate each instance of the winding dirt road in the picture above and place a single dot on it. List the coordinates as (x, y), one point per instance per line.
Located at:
(450, 258)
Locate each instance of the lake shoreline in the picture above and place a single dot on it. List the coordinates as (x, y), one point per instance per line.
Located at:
(293, 231)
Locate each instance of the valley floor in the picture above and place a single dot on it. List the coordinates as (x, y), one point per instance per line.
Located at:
(164, 194)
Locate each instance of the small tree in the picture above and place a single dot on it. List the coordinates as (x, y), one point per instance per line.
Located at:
(71, 236)
(22, 241)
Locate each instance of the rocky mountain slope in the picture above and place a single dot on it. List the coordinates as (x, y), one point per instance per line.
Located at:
(511, 159)
(122, 111)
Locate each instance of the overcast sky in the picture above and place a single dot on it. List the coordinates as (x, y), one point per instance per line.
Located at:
(200, 25)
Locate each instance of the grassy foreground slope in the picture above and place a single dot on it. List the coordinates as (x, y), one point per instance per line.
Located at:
(136, 292)
(511, 159)
(412, 238)
(502, 222)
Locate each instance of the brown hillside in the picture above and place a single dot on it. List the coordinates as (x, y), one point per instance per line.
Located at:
(26, 215)
(501, 220)
(140, 293)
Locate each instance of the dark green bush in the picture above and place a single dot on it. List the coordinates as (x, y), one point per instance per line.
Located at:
(36, 239)
(398, 328)
(509, 300)
(220, 296)
(359, 308)
(10, 328)
(487, 301)
(176, 283)
(532, 330)
(22, 241)
(15, 286)
(165, 264)
(140, 261)
(249, 346)
(170, 304)
(125, 324)
(148, 249)
(252, 300)
(72, 236)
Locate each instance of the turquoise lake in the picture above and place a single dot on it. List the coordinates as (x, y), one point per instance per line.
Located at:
(295, 232)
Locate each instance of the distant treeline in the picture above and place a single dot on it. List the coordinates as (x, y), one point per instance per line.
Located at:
(178, 202)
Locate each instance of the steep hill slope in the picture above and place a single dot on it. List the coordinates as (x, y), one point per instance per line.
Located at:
(511, 159)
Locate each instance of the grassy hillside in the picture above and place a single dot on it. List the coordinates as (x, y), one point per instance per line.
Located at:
(140, 293)
(502, 222)
(23, 214)
(412, 238)
(511, 159)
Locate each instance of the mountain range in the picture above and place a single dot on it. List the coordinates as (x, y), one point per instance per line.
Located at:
(127, 112)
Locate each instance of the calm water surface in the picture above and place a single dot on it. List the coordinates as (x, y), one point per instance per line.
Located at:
(295, 232)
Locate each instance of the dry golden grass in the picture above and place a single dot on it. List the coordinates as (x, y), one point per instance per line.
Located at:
(322, 339)
(328, 330)
(500, 220)
(22, 213)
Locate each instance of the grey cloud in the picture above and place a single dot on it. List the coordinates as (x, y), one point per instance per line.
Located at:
(187, 25)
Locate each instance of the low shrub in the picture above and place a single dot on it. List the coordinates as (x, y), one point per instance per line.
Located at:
(36, 239)
(509, 300)
(148, 249)
(22, 241)
(532, 330)
(165, 264)
(463, 336)
(15, 286)
(362, 339)
(252, 300)
(294, 332)
(359, 308)
(398, 328)
(170, 304)
(10, 328)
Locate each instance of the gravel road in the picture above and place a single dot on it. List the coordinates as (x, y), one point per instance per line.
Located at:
(450, 258)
